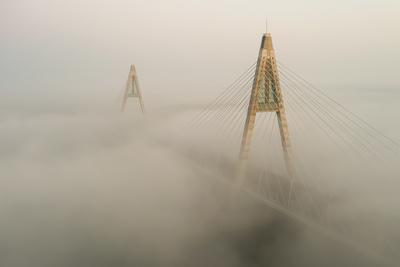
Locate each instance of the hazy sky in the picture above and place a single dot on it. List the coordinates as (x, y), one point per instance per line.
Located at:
(190, 47)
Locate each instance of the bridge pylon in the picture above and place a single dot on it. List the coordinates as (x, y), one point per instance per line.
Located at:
(132, 89)
(266, 96)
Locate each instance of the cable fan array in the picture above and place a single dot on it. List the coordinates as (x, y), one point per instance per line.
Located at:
(320, 128)
(311, 113)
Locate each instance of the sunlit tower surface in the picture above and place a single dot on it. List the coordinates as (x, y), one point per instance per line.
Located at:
(132, 89)
(266, 96)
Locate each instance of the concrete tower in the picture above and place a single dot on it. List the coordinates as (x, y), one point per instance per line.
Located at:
(266, 96)
(132, 89)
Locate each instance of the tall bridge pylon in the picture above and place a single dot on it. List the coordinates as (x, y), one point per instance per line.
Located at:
(266, 96)
(132, 89)
(313, 114)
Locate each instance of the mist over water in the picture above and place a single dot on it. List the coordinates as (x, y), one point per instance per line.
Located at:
(84, 185)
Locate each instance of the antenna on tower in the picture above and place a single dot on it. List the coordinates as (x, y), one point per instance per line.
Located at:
(266, 25)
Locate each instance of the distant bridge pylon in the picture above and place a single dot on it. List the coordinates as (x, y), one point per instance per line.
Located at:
(132, 89)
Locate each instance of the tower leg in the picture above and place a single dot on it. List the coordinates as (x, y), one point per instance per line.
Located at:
(139, 95)
(250, 120)
(285, 140)
(124, 101)
(287, 151)
(247, 137)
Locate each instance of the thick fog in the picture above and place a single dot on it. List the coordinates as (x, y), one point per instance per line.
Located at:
(82, 184)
